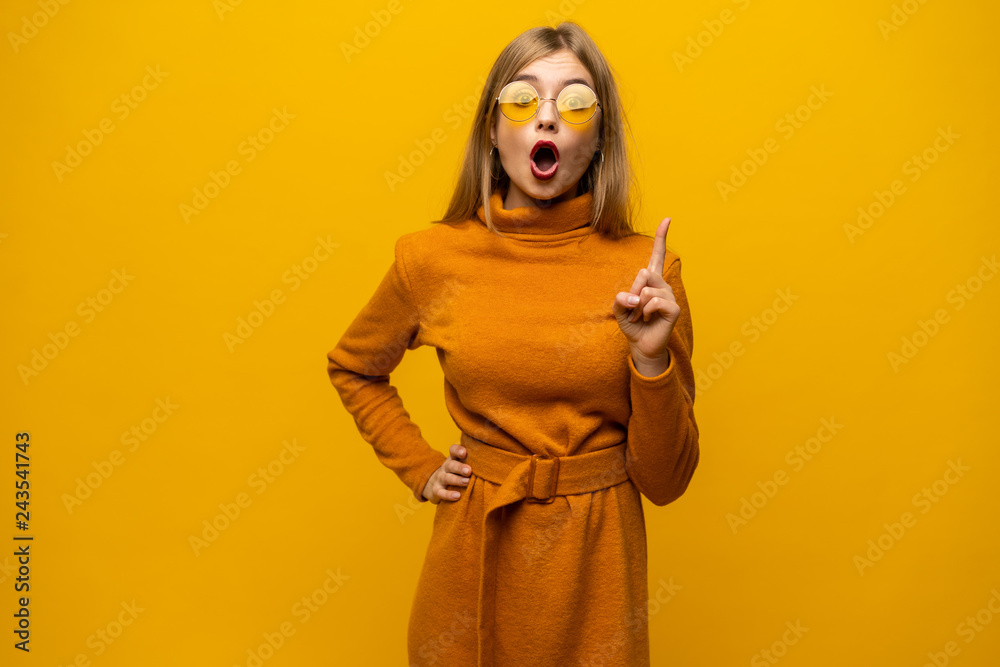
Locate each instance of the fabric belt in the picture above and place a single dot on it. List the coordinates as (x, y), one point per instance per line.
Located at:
(537, 478)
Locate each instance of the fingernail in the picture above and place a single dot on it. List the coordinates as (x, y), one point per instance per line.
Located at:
(632, 300)
(455, 495)
(466, 470)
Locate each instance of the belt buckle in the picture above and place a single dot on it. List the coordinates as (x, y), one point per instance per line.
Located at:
(531, 480)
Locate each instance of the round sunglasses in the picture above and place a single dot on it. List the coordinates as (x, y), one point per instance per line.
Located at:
(519, 101)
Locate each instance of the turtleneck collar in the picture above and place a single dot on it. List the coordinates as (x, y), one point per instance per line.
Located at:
(549, 223)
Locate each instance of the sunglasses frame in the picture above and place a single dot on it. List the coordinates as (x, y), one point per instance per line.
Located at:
(542, 99)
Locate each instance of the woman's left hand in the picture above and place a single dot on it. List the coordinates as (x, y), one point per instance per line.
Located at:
(648, 322)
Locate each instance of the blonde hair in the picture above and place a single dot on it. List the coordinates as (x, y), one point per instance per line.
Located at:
(610, 180)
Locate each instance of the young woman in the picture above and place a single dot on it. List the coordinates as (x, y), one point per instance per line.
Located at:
(565, 339)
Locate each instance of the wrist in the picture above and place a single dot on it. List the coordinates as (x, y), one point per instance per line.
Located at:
(650, 366)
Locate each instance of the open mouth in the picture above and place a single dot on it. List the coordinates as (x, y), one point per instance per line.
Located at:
(544, 160)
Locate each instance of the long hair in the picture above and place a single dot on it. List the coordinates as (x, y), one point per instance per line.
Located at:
(610, 180)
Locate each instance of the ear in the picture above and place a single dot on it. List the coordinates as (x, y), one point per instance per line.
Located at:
(493, 131)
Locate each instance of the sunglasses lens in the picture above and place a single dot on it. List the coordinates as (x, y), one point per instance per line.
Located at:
(518, 101)
(577, 103)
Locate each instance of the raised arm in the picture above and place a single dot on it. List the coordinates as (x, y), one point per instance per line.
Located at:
(662, 450)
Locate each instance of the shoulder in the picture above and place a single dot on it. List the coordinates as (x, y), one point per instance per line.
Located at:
(422, 241)
(428, 254)
(423, 244)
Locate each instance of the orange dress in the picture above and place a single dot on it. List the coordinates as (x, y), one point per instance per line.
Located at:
(542, 561)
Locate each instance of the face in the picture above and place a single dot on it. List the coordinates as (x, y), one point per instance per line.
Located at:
(575, 143)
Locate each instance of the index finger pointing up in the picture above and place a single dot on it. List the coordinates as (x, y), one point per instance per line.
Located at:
(659, 248)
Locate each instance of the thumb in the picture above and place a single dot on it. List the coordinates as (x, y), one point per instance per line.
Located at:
(621, 308)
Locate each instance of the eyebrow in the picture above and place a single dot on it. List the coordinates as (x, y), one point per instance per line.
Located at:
(533, 78)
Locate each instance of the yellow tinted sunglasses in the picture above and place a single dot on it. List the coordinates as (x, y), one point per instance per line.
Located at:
(576, 103)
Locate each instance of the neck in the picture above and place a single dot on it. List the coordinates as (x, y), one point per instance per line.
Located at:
(549, 219)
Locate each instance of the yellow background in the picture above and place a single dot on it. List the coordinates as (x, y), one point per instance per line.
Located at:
(332, 508)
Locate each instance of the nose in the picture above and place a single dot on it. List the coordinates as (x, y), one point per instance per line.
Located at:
(547, 113)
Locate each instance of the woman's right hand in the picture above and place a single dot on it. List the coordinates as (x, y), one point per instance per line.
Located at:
(453, 472)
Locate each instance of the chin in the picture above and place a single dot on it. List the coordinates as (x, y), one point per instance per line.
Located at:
(543, 189)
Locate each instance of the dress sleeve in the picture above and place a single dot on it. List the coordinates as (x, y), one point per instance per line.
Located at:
(662, 449)
(359, 367)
